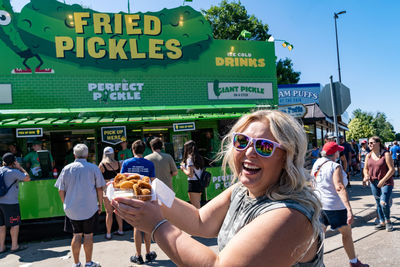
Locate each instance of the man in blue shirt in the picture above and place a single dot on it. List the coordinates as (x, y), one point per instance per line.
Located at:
(142, 166)
(395, 152)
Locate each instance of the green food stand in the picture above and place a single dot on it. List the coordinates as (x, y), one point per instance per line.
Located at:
(68, 73)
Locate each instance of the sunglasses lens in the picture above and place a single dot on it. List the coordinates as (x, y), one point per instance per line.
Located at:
(240, 141)
(264, 148)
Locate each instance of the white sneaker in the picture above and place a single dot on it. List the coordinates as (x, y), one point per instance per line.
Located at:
(92, 264)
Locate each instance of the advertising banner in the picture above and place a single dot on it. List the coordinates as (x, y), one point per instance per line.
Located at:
(29, 132)
(290, 94)
(113, 135)
(56, 55)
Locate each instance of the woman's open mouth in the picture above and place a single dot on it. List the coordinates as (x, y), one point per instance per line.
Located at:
(250, 168)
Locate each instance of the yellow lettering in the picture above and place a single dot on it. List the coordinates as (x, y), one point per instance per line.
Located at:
(253, 62)
(243, 62)
(63, 43)
(117, 48)
(91, 46)
(117, 24)
(152, 25)
(131, 23)
(100, 21)
(80, 47)
(173, 46)
(134, 50)
(154, 47)
(79, 22)
(229, 61)
(261, 62)
(219, 61)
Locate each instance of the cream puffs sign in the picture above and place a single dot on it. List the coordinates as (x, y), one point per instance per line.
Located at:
(297, 111)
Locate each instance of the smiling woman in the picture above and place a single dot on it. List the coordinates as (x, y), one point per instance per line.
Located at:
(272, 198)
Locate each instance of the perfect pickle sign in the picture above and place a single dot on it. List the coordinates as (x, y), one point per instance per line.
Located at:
(113, 135)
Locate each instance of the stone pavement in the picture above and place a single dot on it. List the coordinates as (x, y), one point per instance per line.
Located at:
(116, 252)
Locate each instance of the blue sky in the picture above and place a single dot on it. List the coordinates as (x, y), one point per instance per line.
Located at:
(368, 33)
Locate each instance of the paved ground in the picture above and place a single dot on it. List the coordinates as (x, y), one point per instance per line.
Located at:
(378, 248)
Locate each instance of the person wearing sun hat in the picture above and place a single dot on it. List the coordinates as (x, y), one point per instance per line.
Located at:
(330, 183)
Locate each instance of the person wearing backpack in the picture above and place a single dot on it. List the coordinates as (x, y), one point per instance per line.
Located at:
(12, 173)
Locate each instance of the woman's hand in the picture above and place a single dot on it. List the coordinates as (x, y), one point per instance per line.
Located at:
(143, 215)
(350, 217)
(366, 180)
(381, 183)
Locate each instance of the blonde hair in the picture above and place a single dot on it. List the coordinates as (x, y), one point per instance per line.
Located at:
(295, 182)
(108, 158)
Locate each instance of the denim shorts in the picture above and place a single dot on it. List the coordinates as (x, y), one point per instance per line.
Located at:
(334, 218)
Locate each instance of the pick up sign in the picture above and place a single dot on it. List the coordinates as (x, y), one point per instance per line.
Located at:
(113, 135)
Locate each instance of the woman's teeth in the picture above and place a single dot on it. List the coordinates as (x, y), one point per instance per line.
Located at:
(250, 168)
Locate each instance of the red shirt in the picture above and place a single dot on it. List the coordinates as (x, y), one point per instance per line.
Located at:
(377, 169)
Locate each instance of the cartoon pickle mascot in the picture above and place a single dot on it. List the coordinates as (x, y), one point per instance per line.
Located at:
(10, 36)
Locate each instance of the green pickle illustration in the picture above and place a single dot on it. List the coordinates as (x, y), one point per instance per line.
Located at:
(10, 35)
(48, 28)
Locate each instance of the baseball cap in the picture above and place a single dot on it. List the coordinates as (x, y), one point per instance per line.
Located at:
(108, 150)
(36, 142)
(331, 147)
(330, 136)
(363, 141)
(9, 158)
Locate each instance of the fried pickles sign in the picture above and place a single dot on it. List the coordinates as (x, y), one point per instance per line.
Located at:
(103, 40)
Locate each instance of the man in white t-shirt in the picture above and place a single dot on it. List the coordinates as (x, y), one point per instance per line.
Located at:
(331, 181)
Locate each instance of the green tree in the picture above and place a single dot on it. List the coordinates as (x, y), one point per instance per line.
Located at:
(365, 124)
(285, 72)
(384, 129)
(228, 20)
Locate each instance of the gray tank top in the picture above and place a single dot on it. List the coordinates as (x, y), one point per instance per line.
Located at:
(243, 209)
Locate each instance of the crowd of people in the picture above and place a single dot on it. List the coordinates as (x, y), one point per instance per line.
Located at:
(272, 196)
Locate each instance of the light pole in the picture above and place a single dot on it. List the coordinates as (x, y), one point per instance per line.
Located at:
(284, 42)
(335, 16)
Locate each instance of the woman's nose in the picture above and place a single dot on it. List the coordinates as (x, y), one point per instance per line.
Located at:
(250, 151)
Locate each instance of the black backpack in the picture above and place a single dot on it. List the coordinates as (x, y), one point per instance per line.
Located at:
(204, 179)
(3, 188)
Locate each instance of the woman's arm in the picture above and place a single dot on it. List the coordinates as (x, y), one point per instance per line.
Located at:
(204, 222)
(101, 167)
(286, 236)
(341, 191)
(366, 170)
(188, 171)
(389, 163)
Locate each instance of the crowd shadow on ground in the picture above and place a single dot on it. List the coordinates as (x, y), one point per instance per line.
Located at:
(35, 253)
